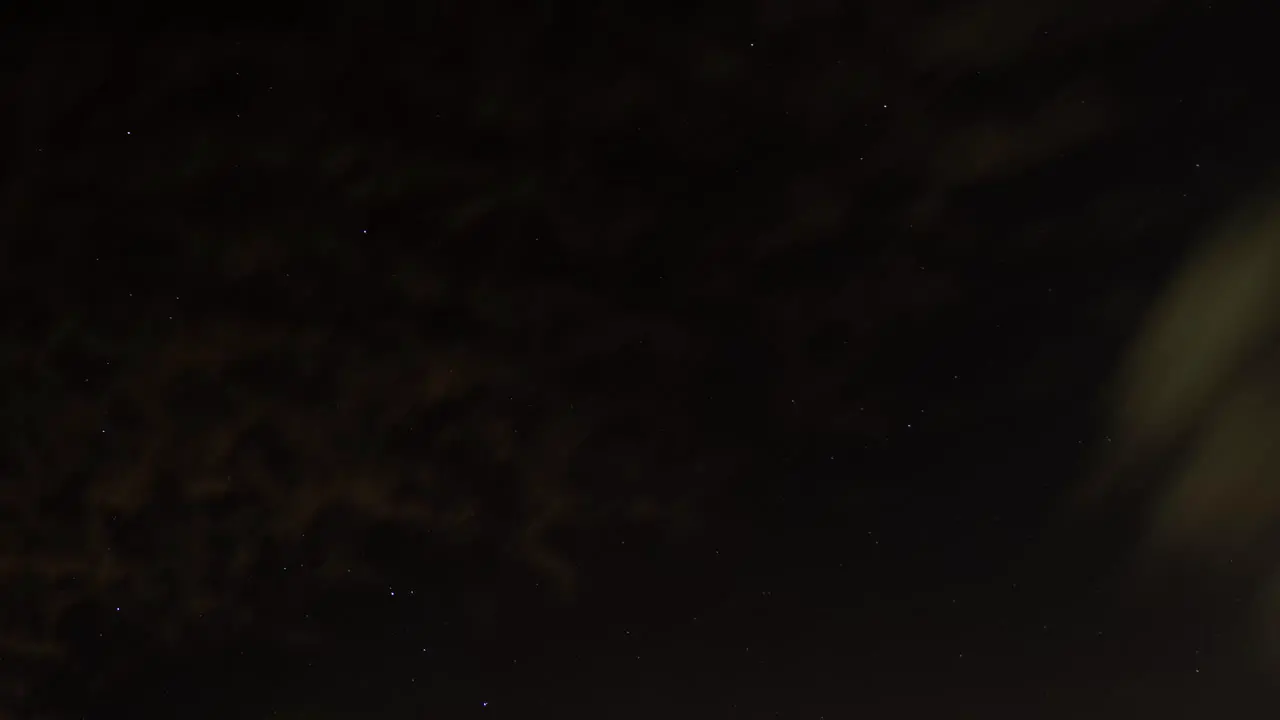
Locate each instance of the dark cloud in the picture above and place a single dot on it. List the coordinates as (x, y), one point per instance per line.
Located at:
(513, 290)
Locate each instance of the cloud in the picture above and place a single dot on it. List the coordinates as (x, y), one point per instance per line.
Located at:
(1195, 408)
(1198, 383)
(271, 321)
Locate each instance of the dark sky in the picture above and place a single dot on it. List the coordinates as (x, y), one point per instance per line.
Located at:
(635, 364)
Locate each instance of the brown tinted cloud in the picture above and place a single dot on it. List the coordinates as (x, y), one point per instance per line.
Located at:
(227, 367)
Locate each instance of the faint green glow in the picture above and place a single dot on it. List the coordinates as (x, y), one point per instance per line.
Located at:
(1203, 381)
(1200, 396)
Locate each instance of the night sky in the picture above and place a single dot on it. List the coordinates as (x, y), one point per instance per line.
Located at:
(803, 360)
